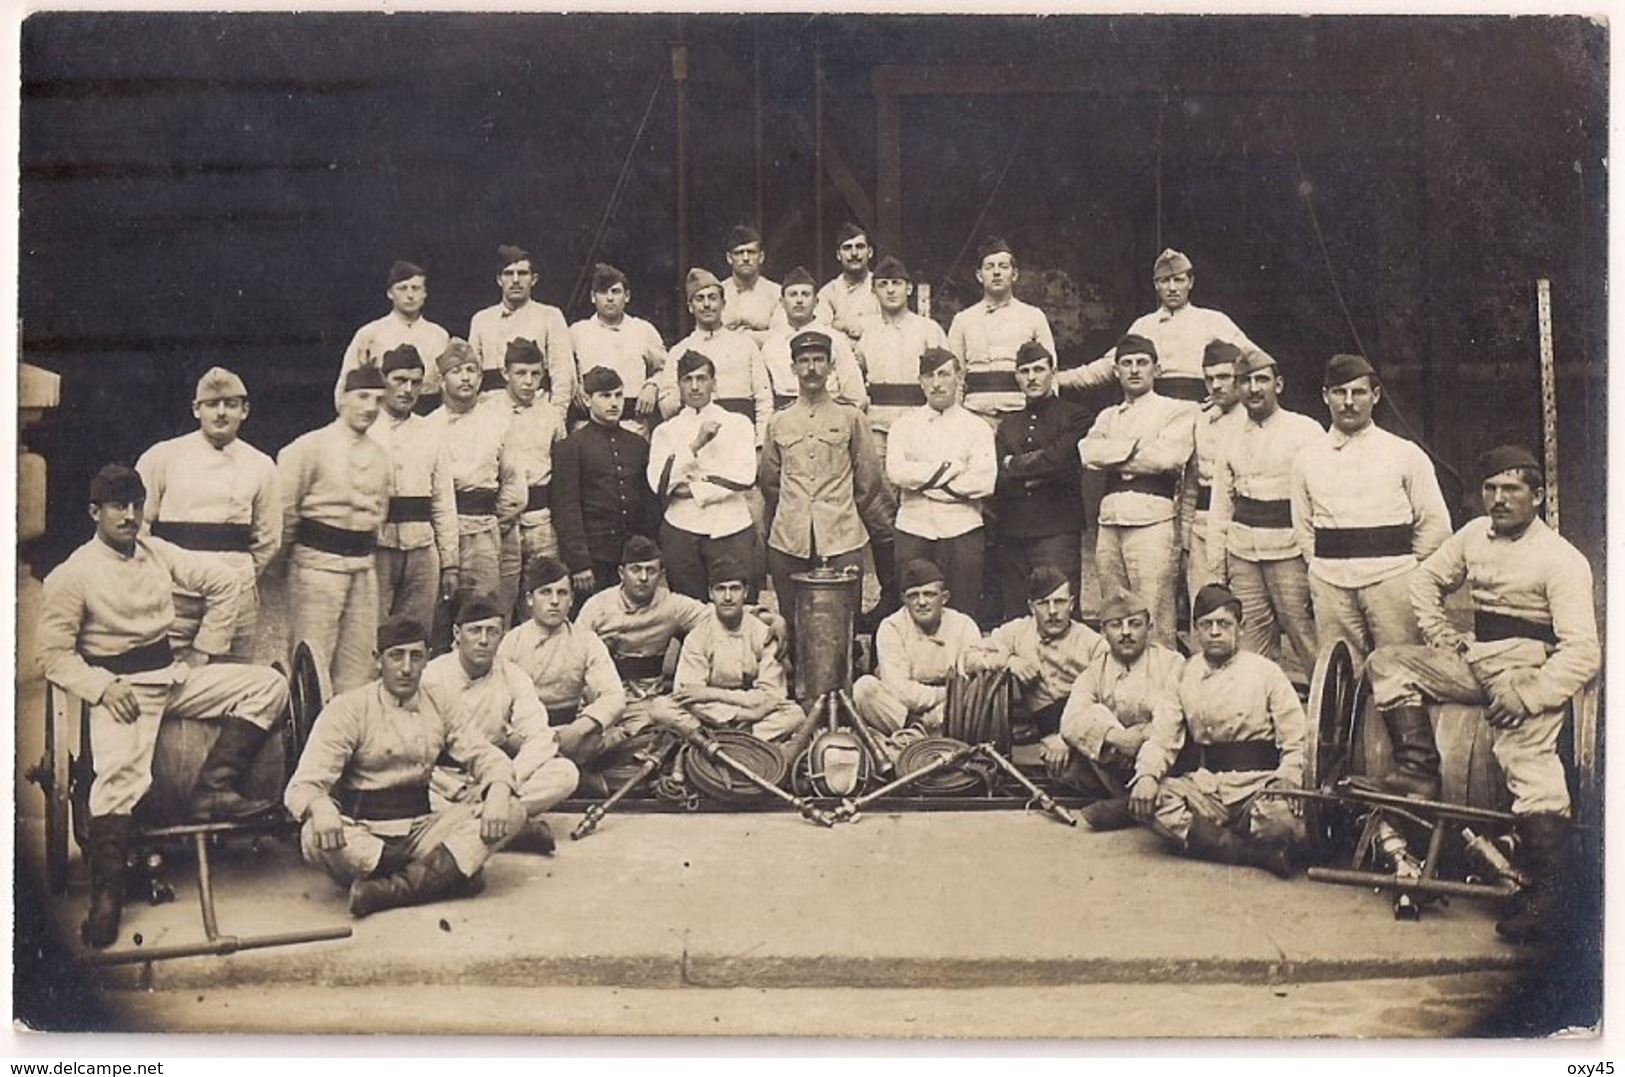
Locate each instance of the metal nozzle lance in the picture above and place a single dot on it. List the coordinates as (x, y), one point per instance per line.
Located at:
(1489, 854)
(1391, 845)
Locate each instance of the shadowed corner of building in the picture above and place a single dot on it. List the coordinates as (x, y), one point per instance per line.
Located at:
(51, 991)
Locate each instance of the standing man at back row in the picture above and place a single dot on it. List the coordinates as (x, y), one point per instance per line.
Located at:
(848, 302)
(518, 316)
(1367, 510)
(750, 302)
(987, 335)
(408, 294)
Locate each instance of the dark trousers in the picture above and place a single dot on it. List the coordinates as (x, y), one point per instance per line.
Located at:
(688, 558)
(1016, 557)
(960, 559)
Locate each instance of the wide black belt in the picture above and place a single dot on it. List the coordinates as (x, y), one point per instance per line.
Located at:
(211, 538)
(400, 802)
(1256, 513)
(1488, 627)
(538, 498)
(1181, 387)
(1162, 484)
(640, 667)
(409, 510)
(144, 659)
(1241, 755)
(492, 379)
(739, 405)
(782, 401)
(335, 540)
(1204, 496)
(562, 715)
(991, 381)
(480, 501)
(896, 396)
(1393, 540)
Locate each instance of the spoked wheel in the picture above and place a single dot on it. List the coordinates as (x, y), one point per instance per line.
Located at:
(54, 777)
(308, 692)
(1335, 696)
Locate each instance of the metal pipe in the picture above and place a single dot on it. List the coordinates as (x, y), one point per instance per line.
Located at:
(715, 752)
(219, 946)
(1383, 880)
(595, 812)
(205, 885)
(883, 762)
(851, 806)
(1045, 802)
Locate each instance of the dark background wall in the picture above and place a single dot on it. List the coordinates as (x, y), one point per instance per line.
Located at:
(232, 188)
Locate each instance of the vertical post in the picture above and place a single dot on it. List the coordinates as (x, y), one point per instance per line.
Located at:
(818, 154)
(761, 150)
(1548, 397)
(679, 74)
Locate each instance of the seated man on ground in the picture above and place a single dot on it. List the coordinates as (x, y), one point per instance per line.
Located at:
(916, 649)
(729, 674)
(488, 695)
(1108, 714)
(361, 789)
(1044, 652)
(1244, 715)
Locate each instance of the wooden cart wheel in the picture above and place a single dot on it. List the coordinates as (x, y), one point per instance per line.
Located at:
(55, 783)
(308, 692)
(1334, 695)
(1586, 707)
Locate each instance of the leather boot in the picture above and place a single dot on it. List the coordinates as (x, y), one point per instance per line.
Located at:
(1540, 912)
(1209, 841)
(1110, 814)
(1416, 756)
(534, 837)
(420, 882)
(109, 844)
(214, 796)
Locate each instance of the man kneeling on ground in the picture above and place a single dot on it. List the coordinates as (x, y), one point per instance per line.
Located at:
(1109, 713)
(493, 698)
(1242, 712)
(729, 674)
(361, 789)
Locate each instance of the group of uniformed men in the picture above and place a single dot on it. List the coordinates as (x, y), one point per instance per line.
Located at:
(796, 427)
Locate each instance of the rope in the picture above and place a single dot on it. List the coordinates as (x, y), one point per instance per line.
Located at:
(615, 194)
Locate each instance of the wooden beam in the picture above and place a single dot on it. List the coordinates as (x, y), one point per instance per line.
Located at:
(840, 174)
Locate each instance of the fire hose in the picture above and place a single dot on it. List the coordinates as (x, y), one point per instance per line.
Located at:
(707, 748)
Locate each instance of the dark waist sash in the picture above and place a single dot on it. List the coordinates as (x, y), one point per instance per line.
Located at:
(739, 405)
(477, 502)
(143, 659)
(1255, 513)
(1204, 496)
(896, 396)
(539, 497)
(335, 540)
(1392, 540)
(639, 667)
(492, 379)
(991, 381)
(562, 715)
(401, 802)
(409, 510)
(212, 538)
(1243, 755)
(1489, 627)
(1163, 484)
(1178, 387)
(782, 401)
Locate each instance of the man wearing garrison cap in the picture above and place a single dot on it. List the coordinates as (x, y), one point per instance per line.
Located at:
(702, 463)
(1107, 714)
(519, 317)
(1039, 497)
(1367, 510)
(729, 674)
(1180, 330)
(1142, 446)
(942, 461)
(1247, 724)
(1216, 424)
(916, 649)
(741, 383)
(106, 629)
(601, 496)
(618, 341)
(361, 789)
(847, 302)
(797, 317)
(408, 293)
(1533, 645)
(489, 486)
(1251, 543)
(212, 492)
(750, 302)
(890, 348)
(482, 692)
(572, 670)
(1044, 652)
(336, 484)
(987, 334)
(417, 554)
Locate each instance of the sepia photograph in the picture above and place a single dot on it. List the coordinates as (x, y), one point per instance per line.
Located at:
(906, 528)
